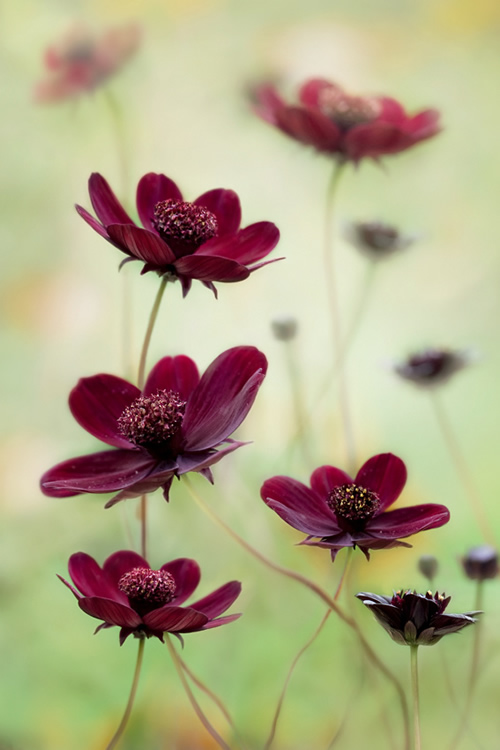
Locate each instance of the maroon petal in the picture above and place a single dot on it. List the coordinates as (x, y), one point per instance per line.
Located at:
(225, 204)
(89, 578)
(161, 476)
(178, 374)
(384, 474)
(111, 612)
(201, 461)
(425, 124)
(391, 111)
(219, 600)
(376, 139)
(175, 619)
(268, 102)
(223, 397)
(71, 588)
(221, 621)
(247, 246)
(146, 246)
(324, 479)
(120, 563)
(96, 226)
(107, 471)
(309, 127)
(299, 506)
(207, 268)
(186, 574)
(310, 91)
(152, 189)
(97, 402)
(108, 208)
(404, 522)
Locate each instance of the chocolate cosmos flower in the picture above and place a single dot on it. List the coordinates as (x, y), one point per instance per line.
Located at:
(337, 511)
(413, 619)
(144, 602)
(181, 240)
(375, 239)
(345, 126)
(170, 428)
(431, 367)
(481, 563)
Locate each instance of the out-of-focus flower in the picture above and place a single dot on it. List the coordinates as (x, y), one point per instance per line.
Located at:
(173, 426)
(82, 60)
(337, 511)
(428, 566)
(347, 127)
(375, 239)
(181, 240)
(413, 619)
(432, 367)
(481, 563)
(284, 328)
(143, 602)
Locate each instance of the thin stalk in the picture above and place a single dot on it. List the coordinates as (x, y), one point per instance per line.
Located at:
(349, 621)
(143, 517)
(149, 332)
(417, 744)
(133, 690)
(194, 703)
(358, 315)
(126, 323)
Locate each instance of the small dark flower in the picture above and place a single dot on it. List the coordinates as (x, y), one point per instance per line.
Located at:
(82, 61)
(375, 239)
(173, 426)
(347, 127)
(413, 619)
(142, 602)
(182, 240)
(431, 367)
(428, 566)
(285, 328)
(481, 563)
(337, 511)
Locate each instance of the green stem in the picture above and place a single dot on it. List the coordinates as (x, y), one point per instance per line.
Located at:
(417, 744)
(119, 732)
(149, 332)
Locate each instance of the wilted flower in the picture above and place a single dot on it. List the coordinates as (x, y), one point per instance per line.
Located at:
(284, 328)
(431, 367)
(181, 240)
(428, 566)
(143, 602)
(173, 426)
(81, 61)
(481, 563)
(337, 511)
(375, 239)
(413, 619)
(347, 127)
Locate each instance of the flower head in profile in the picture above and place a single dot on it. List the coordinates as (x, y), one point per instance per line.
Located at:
(413, 619)
(82, 60)
(431, 367)
(143, 602)
(376, 239)
(337, 511)
(180, 239)
(347, 127)
(481, 563)
(176, 424)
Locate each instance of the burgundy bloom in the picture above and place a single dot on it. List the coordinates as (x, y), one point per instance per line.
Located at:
(173, 426)
(431, 367)
(413, 619)
(144, 602)
(337, 511)
(182, 240)
(347, 127)
(481, 563)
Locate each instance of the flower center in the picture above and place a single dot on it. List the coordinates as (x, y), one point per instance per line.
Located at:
(347, 111)
(183, 225)
(150, 421)
(353, 503)
(147, 589)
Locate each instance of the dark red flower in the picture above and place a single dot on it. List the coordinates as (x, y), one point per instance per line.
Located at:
(413, 619)
(432, 367)
(481, 563)
(170, 428)
(337, 511)
(181, 240)
(348, 127)
(144, 602)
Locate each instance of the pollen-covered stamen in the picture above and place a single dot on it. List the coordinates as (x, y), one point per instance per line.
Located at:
(147, 589)
(347, 111)
(150, 421)
(353, 503)
(183, 225)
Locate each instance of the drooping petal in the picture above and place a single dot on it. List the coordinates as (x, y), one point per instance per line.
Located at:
(175, 619)
(202, 460)
(179, 374)
(404, 522)
(310, 127)
(160, 476)
(208, 268)
(218, 601)
(108, 208)
(247, 246)
(391, 111)
(425, 124)
(141, 243)
(225, 204)
(299, 506)
(268, 102)
(186, 574)
(120, 563)
(324, 479)
(221, 621)
(223, 397)
(385, 475)
(152, 189)
(310, 91)
(374, 139)
(89, 578)
(97, 402)
(96, 226)
(110, 611)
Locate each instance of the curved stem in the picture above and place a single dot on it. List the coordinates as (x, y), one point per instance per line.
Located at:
(349, 621)
(194, 703)
(117, 735)
(143, 517)
(416, 700)
(149, 331)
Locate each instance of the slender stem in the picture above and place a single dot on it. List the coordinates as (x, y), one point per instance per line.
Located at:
(358, 315)
(194, 703)
(143, 517)
(126, 323)
(461, 468)
(349, 621)
(149, 331)
(416, 701)
(133, 690)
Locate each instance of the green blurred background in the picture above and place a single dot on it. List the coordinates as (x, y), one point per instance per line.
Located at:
(183, 102)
